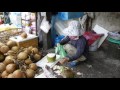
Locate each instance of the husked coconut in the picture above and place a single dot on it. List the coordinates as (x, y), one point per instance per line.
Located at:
(28, 61)
(37, 57)
(10, 76)
(4, 74)
(2, 67)
(35, 50)
(30, 73)
(4, 49)
(33, 66)
(8, 61)
(15, 48)
(24, 35)
(22, 56)
(2, 57)
(18, 74)
(11, 43)
(10, 68)
(10, 52)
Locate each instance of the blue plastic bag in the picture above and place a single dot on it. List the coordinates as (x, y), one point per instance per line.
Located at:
(69, 15)
(58, 39)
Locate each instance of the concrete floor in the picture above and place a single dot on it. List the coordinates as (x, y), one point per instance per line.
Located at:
(103, 63)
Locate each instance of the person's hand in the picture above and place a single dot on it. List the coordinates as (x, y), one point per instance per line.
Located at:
(64, 60)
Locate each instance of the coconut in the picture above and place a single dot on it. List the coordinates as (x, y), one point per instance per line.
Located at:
(11, 43)
(27, 51)
(9, 57)
(8, 61)
(10, 76)
(11, 68)
(22, 56)
(35, 50)
(30, 48)
(51, 57)
(2, 67)
(1, 44)
(2, 57)
(37, 57)
(18, 74)
(4, 74)
(68, 73)
(23, 35)
(15, 48)
(30, 73)
(28, 61)
(4, 49)
(10, 52)
(33, 66)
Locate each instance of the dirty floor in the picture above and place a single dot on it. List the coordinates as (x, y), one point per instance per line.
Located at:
(99, 65)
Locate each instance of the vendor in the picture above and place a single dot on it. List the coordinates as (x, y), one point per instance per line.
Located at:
(75, 45)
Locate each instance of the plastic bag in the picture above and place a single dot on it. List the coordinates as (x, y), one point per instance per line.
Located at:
(60, 50)
(45, 26)
(15, 18)
(91, 37)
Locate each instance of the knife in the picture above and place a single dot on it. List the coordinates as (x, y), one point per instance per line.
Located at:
(55, 63)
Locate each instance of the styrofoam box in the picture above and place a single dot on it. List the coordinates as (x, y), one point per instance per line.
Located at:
(20, 39)
(31, 40)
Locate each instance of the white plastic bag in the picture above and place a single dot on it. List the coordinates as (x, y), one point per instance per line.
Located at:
(15, 18)
(45, 26)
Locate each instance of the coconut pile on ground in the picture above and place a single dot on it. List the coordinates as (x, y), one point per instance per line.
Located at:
(18, 62)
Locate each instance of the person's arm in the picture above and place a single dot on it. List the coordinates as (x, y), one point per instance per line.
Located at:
(65, 40)
(80, 50)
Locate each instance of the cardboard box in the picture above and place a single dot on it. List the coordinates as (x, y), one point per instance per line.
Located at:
(31, 40)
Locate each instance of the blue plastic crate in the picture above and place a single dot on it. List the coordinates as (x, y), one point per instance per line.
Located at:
(69, 15)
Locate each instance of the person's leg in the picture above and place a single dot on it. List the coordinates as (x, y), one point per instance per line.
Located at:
(71, 50)
(77, 62)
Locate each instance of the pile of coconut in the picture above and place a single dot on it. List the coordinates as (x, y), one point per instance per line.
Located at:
(18, 62)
